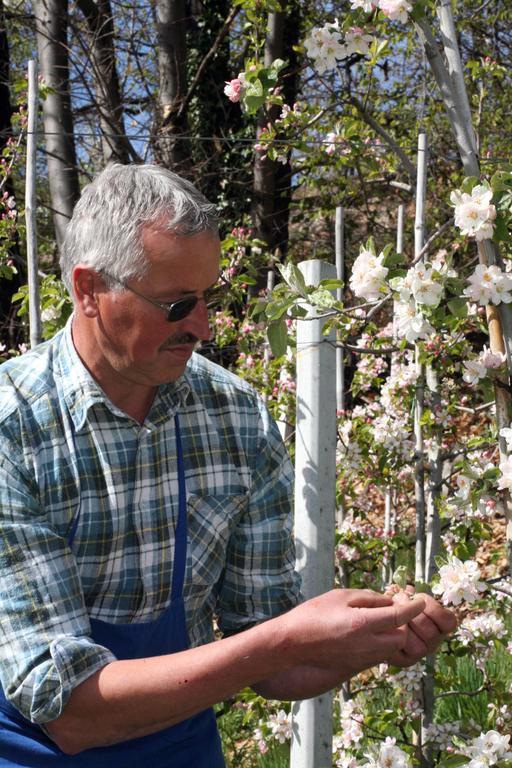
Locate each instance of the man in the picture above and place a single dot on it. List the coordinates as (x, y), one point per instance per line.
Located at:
(143, 490)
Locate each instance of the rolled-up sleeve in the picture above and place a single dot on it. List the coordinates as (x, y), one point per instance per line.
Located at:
(45, 648)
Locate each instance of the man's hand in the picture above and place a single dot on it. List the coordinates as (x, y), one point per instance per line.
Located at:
(349, 630)
(427, 630)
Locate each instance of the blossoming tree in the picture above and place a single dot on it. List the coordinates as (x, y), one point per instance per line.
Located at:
(439, 307)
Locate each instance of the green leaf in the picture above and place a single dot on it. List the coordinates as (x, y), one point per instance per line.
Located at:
(278, 337)
(458, 307)
(293, 277)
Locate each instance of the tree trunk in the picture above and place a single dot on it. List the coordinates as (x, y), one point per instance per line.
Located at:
(172, 149)
(273, 180)
(116, 147)
(51, 28)
(10, 329)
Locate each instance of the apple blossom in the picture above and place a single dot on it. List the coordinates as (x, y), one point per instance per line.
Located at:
(489, 284)
(491, 359)
(388, 756)
(366, 5)
(483, 627)
(357, 41)
(463, 487)
(505, 481)
(474, 212)
(474, 371)
(234, 89)
(488, 749)
(395, 10)
(423, 287)
(280, 726)
(324, 46)
(368, 275)
(506, 433)
(458, 581)
(411, 324)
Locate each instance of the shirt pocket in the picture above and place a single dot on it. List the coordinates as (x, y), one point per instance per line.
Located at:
(211, 521)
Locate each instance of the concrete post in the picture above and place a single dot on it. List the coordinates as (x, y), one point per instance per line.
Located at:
(315, 497)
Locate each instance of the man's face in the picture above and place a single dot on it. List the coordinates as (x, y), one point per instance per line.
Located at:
(137, 339)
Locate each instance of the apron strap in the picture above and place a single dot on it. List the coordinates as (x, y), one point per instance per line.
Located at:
(180, 536)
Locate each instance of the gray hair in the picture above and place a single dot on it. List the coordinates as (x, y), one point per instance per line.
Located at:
(105, 231)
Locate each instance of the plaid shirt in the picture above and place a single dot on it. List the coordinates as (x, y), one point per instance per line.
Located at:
(66, 450)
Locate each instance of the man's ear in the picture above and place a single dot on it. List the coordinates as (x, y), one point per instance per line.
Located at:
(86, 286)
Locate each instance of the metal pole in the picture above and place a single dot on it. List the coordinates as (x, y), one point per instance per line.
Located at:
(339, 234)
(30, 208)
(419, 239)
(315, 497)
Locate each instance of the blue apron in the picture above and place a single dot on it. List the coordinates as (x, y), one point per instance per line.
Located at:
(193, 743)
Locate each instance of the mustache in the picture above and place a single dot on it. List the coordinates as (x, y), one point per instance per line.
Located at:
(184, 338)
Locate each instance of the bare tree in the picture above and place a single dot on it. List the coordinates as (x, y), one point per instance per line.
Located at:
(171, 147)
(100, 23)
(272, 180)
(51, 28)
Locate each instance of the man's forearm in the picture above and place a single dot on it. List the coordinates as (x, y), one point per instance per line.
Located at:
(129, 699)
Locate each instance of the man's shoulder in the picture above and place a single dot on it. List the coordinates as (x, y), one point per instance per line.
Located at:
(27, 378)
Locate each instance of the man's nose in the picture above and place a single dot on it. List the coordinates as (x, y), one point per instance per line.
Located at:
(198, 322)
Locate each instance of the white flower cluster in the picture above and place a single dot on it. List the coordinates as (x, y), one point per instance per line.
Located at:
(368, 275)
(459, 581)
(489, 285)
(479, 367)
(487, 749)
(280, 726)
(393, 9)
(411, 323)
(410, 678)
(442, 734)
(505, 480)
(484, 627)
(387, 756)
(474, 212)
(351, 719)
(419, 284)
(326, 46)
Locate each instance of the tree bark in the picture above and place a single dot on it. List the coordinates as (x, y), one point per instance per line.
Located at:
(51, 29)
(172, 149)
(116, 147)
(273, 180)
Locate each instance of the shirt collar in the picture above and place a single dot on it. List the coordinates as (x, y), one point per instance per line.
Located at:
(81, 391)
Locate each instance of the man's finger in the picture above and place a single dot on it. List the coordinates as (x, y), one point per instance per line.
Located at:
(386, 618)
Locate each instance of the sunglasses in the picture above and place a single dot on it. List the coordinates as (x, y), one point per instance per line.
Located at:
(177, 310)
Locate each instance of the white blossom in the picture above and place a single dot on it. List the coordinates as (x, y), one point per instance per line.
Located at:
(365, 5)
(488, 749)
(506, 433)
(410, 323)
(463, 486)
(368, 274)
(325, 47)
(388, 756)
(474, 212)
(491, 359)
(357, 41)
(424, 288)
(486, 626)
(459, 581)
(505, 481)
(474, 371)
(395, 10)
(489, 284)
(280, 726)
